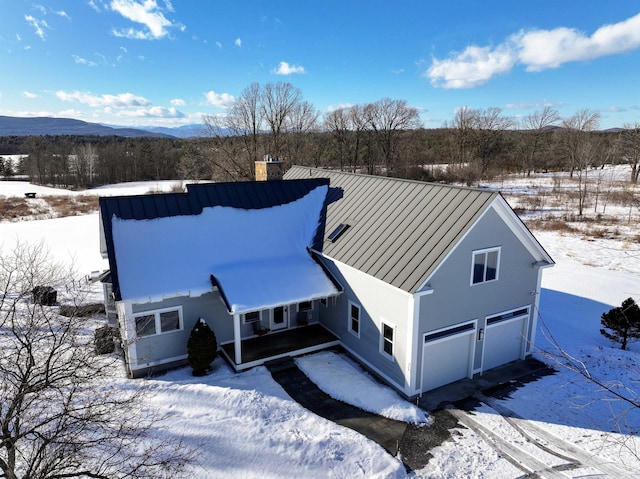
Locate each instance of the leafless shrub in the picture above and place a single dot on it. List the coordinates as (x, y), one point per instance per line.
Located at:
(61, 412)
(73, 205)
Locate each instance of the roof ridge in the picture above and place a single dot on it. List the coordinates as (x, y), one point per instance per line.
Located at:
(393, 178)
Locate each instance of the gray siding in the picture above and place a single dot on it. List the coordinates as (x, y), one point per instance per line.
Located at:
(378, 302)
(454, 300)
(170, 345)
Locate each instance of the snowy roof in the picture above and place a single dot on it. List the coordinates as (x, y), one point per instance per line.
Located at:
(259, 257)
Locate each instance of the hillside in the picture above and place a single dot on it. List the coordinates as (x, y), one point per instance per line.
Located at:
(16, 126)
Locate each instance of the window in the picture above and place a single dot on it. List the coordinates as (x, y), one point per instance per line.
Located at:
(386, 339)
(354, 319)
(485, 266)
(324, 302)
(252, 317)
(305, 306)
(158, 322)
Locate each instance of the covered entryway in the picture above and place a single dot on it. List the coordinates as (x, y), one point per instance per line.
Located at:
(279, 318)
(447, 355)
(505, 338)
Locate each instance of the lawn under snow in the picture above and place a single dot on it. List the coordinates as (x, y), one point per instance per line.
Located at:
(245, 425)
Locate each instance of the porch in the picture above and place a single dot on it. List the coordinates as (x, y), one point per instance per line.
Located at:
(275, 345)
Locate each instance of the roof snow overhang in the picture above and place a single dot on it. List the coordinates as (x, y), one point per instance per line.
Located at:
(276, 282)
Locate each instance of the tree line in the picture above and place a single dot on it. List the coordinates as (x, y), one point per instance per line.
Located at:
(383, 137)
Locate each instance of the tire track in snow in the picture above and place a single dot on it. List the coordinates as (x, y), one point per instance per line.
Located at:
(514, 454)
(534, 433)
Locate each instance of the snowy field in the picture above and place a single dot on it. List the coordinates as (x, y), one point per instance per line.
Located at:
(245, 425)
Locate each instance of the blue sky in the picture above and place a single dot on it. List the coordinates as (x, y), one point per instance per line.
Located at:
(156, 62)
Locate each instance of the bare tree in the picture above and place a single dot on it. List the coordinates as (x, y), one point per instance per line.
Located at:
(580, 147)
(337, 122)
(630, 138)
(279, 101)
(489, 127)
(301, 122)
(537, 124)
(388, 118)
(61, 413)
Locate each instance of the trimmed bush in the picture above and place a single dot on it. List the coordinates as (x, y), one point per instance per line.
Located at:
(202, 348)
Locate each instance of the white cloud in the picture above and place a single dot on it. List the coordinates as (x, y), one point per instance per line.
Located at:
(220, 100)
(147, 13)
(285, 69)
(542, 49)
(178, 102)
(219, 45)
(38, 25)
(93, 5)
(83, 61)
(71, 113)
(28, 94)
(122, 100)
(536, 49)
(63, 14)
(152, 112)
(339, 106)
(473, 67)
(238, 42)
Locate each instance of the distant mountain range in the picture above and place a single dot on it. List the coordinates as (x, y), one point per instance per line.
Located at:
(18, 126)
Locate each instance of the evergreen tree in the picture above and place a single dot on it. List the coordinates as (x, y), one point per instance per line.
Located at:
(623, 323)
(202, 347)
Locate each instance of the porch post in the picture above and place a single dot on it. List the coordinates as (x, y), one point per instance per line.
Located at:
(237, 338)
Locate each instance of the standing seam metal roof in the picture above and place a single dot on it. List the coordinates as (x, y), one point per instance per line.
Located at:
(400, 230)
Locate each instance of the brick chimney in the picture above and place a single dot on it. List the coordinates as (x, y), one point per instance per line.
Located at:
(269, 169)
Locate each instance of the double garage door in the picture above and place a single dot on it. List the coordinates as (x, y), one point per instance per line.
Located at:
(448, 355)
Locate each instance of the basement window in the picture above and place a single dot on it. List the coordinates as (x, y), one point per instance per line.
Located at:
(339, 231)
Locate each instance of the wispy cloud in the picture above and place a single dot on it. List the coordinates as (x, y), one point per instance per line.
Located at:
(238, 42)
(220, 100)
(146, 13)
(285, 69)
(536, 50)
(178, 102)
(63, 14)
(152, 112)
(83, 61)
(38, 25)
(122, 100)
(94, 5)
(526, 105)
(28, 94)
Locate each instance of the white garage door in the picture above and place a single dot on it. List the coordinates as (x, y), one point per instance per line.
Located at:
(505, 338)
(447, 356)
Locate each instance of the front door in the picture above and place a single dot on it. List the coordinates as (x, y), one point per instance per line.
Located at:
(279, 318)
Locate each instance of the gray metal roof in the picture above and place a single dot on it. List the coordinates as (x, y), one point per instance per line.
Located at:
(399, 230)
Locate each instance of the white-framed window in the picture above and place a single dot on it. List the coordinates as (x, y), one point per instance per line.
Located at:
(324, 302)
(251, 317)
(354, 319)
(159, 321)
(485, 264)
(387, 338)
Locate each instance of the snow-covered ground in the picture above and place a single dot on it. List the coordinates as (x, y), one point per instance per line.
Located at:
(245, 425)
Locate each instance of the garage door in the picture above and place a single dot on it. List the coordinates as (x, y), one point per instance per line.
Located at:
(447, 356)
(504, 338)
